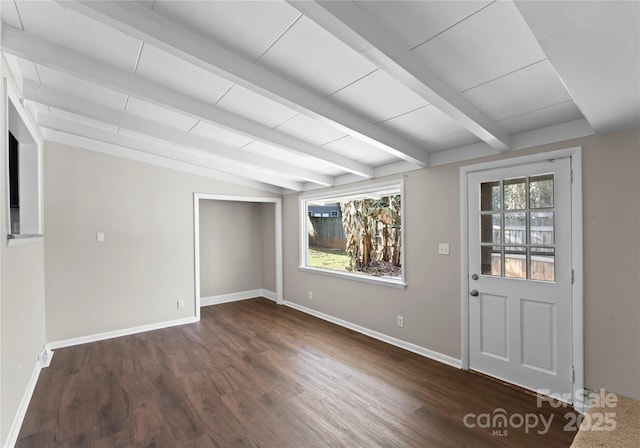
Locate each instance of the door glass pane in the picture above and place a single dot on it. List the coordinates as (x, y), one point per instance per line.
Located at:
(491, 260)
(515, 228)
(515, 197)
(542, 228)
(541, 191)
(515, 262)
(543, 264)
(490, 229)
(490, 196)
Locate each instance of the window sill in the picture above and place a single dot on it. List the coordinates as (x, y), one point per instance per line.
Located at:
(22, 240)
(380, 281)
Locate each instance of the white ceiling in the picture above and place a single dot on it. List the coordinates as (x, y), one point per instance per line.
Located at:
(300, 95)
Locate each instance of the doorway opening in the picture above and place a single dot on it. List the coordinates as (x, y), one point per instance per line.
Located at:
(213, 208)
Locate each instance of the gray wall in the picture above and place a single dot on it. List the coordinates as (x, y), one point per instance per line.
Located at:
(146, 262)
(431, 302)
(612, 262)
(22, 308)
(231, 247)
(23, 321)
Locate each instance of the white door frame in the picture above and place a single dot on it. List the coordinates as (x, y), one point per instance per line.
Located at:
(197, 197)
(576, 256)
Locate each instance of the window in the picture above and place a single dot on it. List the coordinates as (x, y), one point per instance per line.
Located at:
(517, 221)
(355, 233)
(23, 177)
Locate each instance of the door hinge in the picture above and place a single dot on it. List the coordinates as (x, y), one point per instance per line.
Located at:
(571, 180)
(573, 276)
(573, 374)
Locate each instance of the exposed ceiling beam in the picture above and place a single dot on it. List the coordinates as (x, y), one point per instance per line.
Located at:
(60, 58)
(606, 32)
(194, 157)
(354, 27)
(62, 100)
(149, 26)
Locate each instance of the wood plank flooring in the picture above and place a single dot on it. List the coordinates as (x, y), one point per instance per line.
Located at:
(254, 374)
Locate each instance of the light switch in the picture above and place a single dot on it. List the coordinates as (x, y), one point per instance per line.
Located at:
(443, 248)
(100, 236)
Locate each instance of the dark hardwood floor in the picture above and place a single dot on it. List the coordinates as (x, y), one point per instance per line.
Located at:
(254, 374)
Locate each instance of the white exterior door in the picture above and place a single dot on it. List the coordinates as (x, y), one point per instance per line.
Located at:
(520, 310)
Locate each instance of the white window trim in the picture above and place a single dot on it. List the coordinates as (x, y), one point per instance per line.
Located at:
(304, 234)
(11, 95)
(577, 287)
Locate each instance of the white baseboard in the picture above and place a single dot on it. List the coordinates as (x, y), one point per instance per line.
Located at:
(445, 359)
(205, 301)
(14, 431)
(236, 296)
(117, 333)
(269, 295)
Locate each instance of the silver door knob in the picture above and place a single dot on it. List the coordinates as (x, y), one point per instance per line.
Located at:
(474, 293)
(474, 276)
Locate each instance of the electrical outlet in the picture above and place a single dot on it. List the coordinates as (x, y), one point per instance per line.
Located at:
(400, 321)
(180, 304)
(310, 295)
